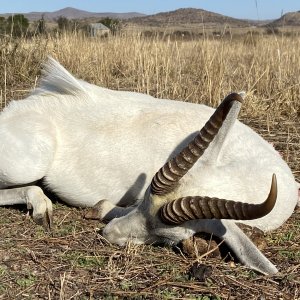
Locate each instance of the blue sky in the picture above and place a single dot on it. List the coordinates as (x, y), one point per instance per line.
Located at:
(246, 9)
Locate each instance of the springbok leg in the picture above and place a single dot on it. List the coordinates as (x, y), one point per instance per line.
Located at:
(34, 198)
(104, 210)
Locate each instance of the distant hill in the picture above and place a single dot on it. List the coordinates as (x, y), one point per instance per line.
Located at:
(180, 17)
(189, 16)
(73, 13)
(288, 19)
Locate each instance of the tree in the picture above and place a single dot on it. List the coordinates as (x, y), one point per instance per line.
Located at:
(65, 24)
(41, 27)
(113, 24)
(3, 25)
(17, 25)
(272, 30)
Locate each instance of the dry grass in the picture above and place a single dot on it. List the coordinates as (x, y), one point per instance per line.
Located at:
(198, 71)
(73, 262)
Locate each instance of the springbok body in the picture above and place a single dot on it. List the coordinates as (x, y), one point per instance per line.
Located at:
(90, 143)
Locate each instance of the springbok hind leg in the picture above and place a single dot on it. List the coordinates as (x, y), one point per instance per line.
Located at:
(34, 198)
(28, 145)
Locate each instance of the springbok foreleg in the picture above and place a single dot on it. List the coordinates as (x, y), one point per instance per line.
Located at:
(104, 210)
(34, 198)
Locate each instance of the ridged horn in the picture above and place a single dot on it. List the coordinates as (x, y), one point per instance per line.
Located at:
(166, 179)
(191, 208)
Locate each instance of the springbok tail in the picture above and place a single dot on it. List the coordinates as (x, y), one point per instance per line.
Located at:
(56, 79)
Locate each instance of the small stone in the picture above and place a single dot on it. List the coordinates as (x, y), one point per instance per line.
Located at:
(6, 258)
(200, 272)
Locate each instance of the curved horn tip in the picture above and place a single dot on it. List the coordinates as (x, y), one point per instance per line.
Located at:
(274, 178)
(273, 189)
(236, 97)
(274, 183)
(272, 197)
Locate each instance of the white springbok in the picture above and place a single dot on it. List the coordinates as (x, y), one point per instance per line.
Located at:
(89, 143)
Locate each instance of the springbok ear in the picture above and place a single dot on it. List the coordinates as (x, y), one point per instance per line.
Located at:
(190, 208)
(167, 178)
(244, 249)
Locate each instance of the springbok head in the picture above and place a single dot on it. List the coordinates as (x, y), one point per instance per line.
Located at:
(163, 215)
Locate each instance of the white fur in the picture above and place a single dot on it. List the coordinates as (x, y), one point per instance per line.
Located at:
(89, 143)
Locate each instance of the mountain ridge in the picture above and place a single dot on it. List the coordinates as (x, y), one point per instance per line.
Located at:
(288, 19)
(182, 16)
(190, 15)
(74, 13)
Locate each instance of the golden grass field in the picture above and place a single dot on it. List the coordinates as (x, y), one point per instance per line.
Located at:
(73, 261)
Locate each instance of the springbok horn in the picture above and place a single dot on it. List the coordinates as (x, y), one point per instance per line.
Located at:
(190, 208)
(166, 179)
